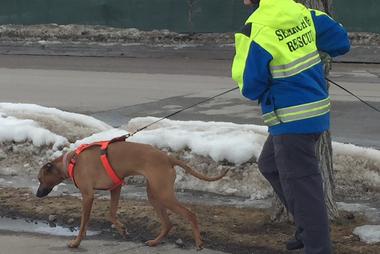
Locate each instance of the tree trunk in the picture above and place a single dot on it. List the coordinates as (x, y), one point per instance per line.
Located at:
(324, 146)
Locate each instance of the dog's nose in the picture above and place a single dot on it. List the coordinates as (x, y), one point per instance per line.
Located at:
(42, 192)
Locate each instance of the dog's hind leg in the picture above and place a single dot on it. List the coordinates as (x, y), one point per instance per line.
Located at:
(166, 225)
(87, 200)
(176, 207)
(115, 196)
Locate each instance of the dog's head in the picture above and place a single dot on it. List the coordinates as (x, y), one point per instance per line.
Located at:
(49, 176)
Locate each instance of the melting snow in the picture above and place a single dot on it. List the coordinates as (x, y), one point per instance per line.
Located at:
(208, 146)
(369, 233)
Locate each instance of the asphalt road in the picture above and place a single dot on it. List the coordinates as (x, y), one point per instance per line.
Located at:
(117, 89)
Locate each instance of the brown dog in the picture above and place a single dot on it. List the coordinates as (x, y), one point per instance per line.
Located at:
(127, 159)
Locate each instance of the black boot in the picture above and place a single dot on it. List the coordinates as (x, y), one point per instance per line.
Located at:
(295, 243)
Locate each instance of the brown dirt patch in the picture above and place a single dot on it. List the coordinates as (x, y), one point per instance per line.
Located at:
(236, 230)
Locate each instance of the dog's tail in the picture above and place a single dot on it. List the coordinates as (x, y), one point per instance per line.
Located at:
(189, 170)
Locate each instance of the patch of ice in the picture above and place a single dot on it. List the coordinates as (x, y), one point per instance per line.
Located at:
(43, 42)
(369, 233)
(39, 227)
(367, 209)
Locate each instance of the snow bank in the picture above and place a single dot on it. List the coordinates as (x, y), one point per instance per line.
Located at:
(19, 130)
(69, 125)
(90, 34)
(20, 108)
(31, 135)
(209, 147)
(369, 233)
(356, 151)
(235, 143)
(357, 168)
(105, 135)
(39, 125)
(103, 34)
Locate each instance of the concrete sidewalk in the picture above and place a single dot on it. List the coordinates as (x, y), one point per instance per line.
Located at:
(39, 244)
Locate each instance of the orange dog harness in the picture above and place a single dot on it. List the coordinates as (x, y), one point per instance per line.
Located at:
(103, 157)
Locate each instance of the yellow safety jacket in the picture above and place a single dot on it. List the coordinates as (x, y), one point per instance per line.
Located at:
(277, 62)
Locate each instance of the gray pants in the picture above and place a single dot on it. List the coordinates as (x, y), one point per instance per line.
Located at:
(290, 164)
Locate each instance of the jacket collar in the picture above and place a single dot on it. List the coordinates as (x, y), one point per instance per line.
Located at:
(277, 13)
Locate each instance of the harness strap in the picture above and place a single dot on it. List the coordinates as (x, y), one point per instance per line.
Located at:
(107, 165)
(70, 168)
(103, 157)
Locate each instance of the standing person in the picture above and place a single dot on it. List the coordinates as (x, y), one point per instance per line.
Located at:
(277, 63)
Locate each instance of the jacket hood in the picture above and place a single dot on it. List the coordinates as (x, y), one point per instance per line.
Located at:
(278, 13)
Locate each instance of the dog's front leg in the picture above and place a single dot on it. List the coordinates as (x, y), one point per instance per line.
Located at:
(87, 200)
(115, 196)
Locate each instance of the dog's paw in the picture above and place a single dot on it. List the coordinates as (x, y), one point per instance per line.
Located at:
(151, 243)
(200, 246)
(73, 244)
(121, 229)
(124, 233)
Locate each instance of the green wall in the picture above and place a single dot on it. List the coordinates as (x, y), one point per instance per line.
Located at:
(206, 15)
(358, 15)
